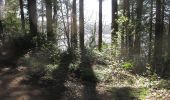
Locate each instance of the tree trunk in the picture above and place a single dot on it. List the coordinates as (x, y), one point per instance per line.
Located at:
(32, 11)
(22, 16)
(100, 26)
(150, 33)
(157, 64)
(114, 25)
(123, 41)
(163, 67)
(68, 20)
(81, 24)
(74, 26)
(169, 37)
(127, 30)
(1, 18)
(1, 29)
(55, 9)
(50, 35)
(42, 16)
(64, 24)
(137, 43)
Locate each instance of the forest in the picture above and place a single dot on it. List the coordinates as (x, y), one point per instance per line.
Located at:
(51, 50)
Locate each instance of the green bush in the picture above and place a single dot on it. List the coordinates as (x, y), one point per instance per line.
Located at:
(51, 51)
(128, 65)
(73, 67)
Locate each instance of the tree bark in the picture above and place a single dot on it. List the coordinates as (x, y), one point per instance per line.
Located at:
(32, 11)
(137, 44)
(74, 26)
(150, 33)
(100, 26)
(157, 64)
(169, 37)
(55, 9)
(68, 20)
(22, 16)
(42, 16)
(1, 18)
(128, 31)
(81, 24)
(50, 35)
(114, 25)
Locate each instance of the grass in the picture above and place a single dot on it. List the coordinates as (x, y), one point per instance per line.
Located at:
(128, 93)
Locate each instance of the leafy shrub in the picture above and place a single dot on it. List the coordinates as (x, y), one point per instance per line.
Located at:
(103, 74)
(50, 68)
(101, 58)
(128, 65)
(51, 51)
(73, 67)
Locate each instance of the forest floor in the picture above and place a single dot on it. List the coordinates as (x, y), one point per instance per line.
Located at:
(27, 81)
(14, 85)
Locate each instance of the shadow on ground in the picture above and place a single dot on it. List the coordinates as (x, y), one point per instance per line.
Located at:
(10, 87)
(89, 79)
(128, 93)
(52, 89)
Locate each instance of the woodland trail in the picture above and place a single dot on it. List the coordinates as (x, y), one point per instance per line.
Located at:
(14, 85)
(11, 87)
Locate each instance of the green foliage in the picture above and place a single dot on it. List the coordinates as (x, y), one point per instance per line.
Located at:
(104, 57)
(11, 21)
(128, 65)
(51, 51)
(127, 93)
(74, 66)
(50, 68)
(37, 69)
(103, 74)
(39, 65)
(122, 19)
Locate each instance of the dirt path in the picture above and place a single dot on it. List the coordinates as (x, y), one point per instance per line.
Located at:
(13, 88)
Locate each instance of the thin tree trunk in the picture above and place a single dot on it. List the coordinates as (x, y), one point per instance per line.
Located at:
(123, 42)
(50, 35)
(64, 24)
(1, 30)
(22, 16)
(100, 26)
(127, 30)
(55, 9)
(132, 12)
(150, 33)
(81, 24)
(68, 21)
(169, 37)
(1, 17)
(74, 26)
(42, 16)
(114, 25)
(163, 67)
(55, 18)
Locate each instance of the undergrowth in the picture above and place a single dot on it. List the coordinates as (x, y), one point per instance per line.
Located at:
(109, 71)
